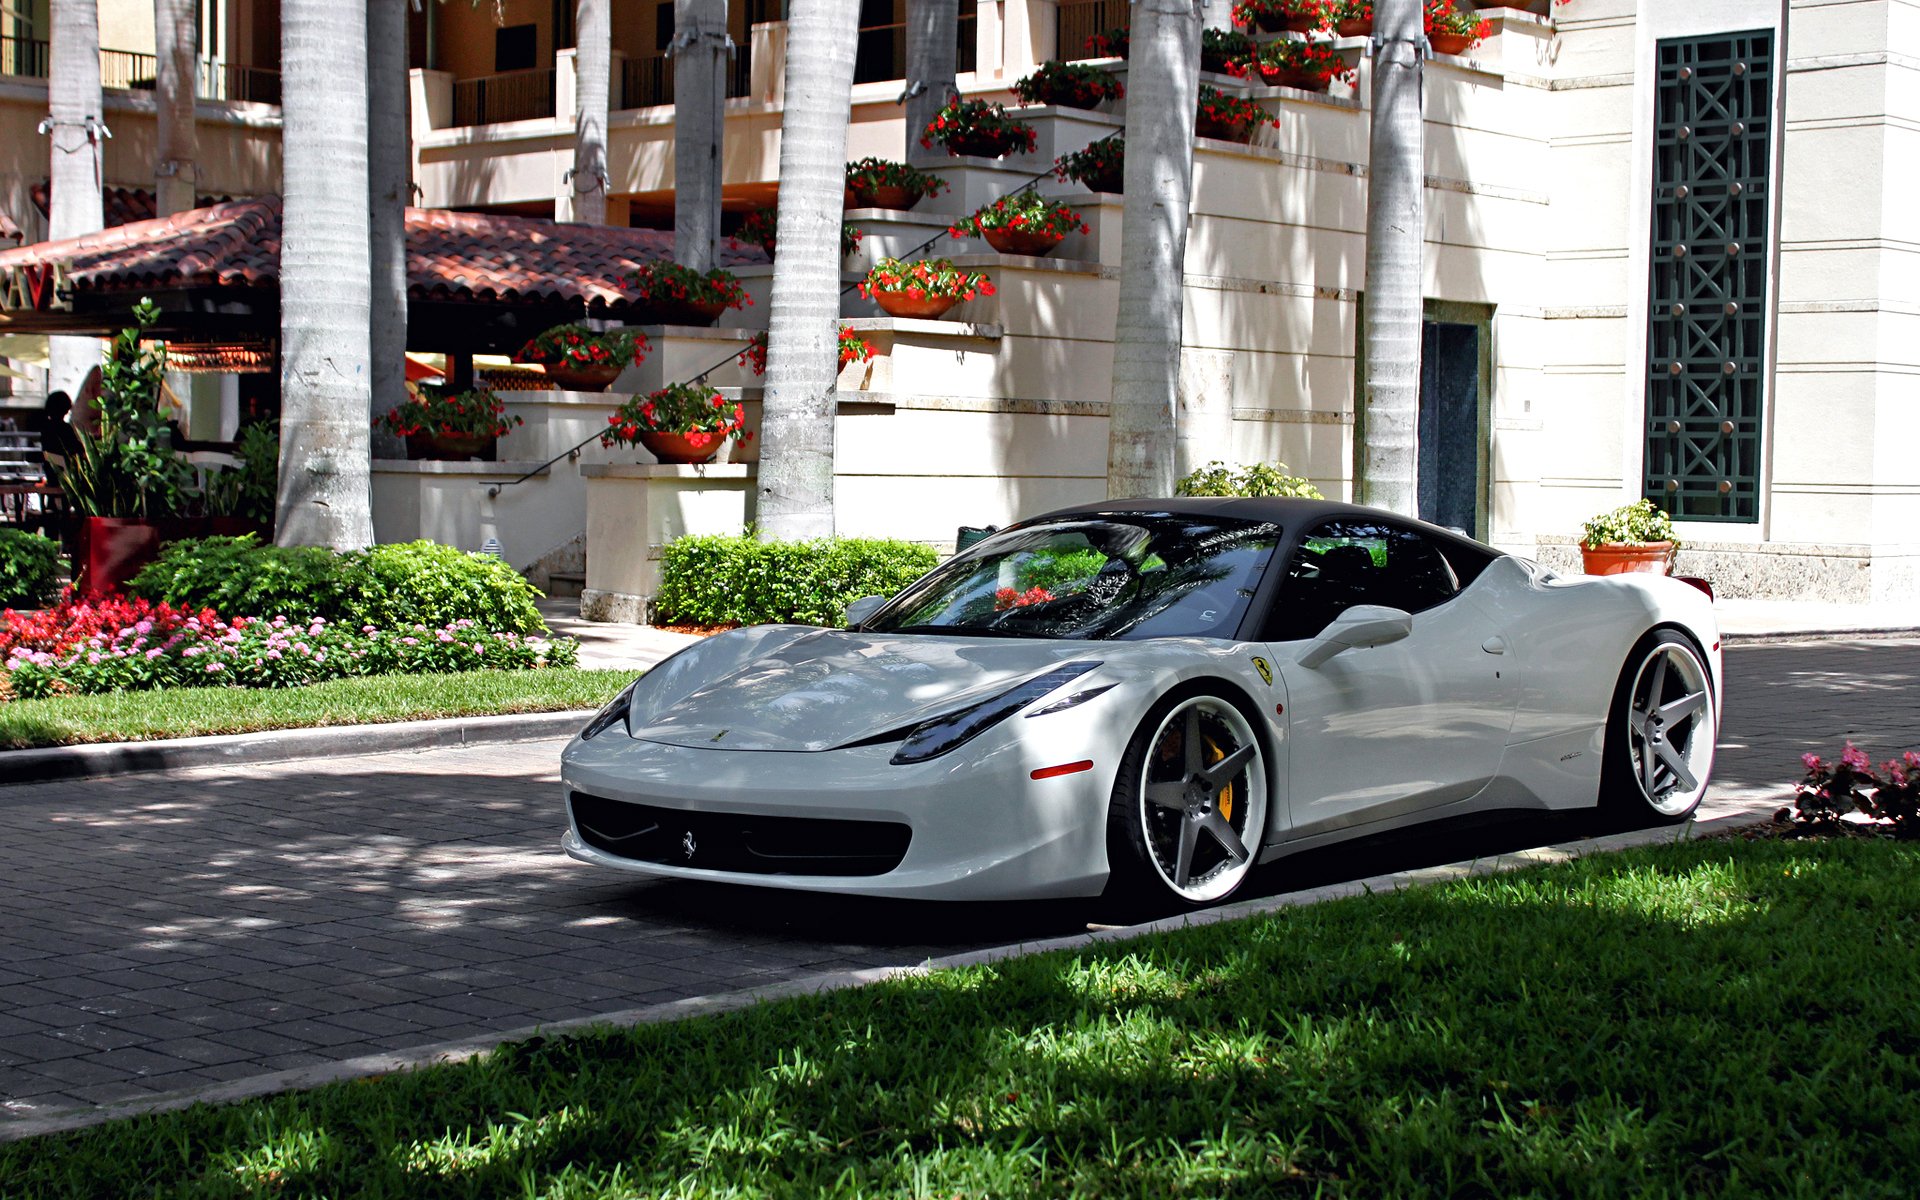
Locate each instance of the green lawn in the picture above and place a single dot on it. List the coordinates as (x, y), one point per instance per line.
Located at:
(187, 712)
(1709, 1019)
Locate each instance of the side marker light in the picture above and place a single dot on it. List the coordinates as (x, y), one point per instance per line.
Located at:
(1279, 710)
(1072, 768)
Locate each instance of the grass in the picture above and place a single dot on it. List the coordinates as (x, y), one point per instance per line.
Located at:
(1707, 1019)
(188, 712)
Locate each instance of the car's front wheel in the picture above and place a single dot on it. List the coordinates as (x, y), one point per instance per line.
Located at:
(1189, 805)
(1661, 731)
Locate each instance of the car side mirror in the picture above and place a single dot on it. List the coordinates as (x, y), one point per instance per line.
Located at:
(861, 609)
(1360, 626)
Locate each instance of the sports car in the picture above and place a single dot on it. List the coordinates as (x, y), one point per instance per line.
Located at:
(1145, 699)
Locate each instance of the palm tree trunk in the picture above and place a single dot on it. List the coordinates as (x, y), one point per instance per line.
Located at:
(74, 128)
(796, 453)
(1163, 84)
(389, 171)
(932, 59)
(176, 60)
(592, 84)
(1396, 228)
(324, 341)
(699, 127)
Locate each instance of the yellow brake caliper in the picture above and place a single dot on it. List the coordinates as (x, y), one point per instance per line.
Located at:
(1226, 795)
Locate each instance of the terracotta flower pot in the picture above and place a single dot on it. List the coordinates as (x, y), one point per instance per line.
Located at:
(1450, 43)
(684, 312)
(890, 196)
(1226, 131)
(1021, 241)
(678, 448)
(1295, 77)
(900, 304)
(1063, 97)
(1113, 180)
(583, 377)
(1356, 27)
(980, 145)
(1620, 558)
(449, 447)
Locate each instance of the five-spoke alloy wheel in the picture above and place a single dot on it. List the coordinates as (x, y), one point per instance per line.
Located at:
(1661, 734)
(1190, 803)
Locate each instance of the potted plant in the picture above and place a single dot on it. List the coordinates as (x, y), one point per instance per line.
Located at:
(122, 475)
(927, 288)
(1228, 117)
(1101, 167)
(448, 426)
(1219, 45)
(1272, 16)
(1023, 223)
(680, 423)
(883, 183)
(580, 359)
(1633, 537)
(853, 348)
(1350, 18)
(978, 129)
(677, 295)
(1110, 43)
(1450, 31)
(761, 226)
(1069, 85)
(1309, 66)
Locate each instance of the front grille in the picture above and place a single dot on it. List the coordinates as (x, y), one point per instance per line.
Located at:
(744, 842)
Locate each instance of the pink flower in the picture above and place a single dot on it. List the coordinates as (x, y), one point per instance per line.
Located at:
(1856, 758)
(1811, 762)
(214, 667)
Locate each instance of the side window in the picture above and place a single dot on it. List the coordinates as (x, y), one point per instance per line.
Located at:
(1344, 562)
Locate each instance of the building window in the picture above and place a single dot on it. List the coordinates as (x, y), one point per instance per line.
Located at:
(1711, 250)
(516, 48)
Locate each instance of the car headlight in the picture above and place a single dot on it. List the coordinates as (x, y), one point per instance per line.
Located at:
(931, 739)
(613, 714)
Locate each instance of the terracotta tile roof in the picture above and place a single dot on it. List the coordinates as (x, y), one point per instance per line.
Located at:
(459, 257)
(118, 205)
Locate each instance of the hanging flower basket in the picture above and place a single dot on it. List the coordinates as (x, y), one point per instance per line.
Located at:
(1023, 223)
(580, 359)
(882, 183)
(1309, 66)
(901, 303)
(1101, 167)
(679, 447)
(927, 288)
(682, 422)
(1229, 118)
(579, 378)
(977, 129)
(674, 295)
(1070, 85)
(1450, 31)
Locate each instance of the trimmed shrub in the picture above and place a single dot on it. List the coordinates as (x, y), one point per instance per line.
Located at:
(1259, 479)
(740, 580)
(405, 584)
(28, 563)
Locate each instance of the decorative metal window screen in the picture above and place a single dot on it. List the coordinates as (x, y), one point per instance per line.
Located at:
(1713, 134)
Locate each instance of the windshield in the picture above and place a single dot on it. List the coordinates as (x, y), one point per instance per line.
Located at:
(1133, 576)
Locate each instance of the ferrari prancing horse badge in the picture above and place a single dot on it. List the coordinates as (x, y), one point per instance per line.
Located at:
(1266, 672)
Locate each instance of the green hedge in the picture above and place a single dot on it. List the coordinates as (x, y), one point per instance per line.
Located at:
(28, 564)
(386, 586)
(726, 580)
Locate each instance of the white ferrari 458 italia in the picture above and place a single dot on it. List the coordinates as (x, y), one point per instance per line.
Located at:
(1145, 698)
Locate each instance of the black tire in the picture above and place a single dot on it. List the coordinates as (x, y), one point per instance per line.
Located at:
(1662, 726)
(1216, 820)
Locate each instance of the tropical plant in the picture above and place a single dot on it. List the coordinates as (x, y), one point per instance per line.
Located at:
(927, 277)
(871, 174)
(694, 411)
(1224, 108)
(575, 345)
(126, 466)
(1100, 167)
(248, 490)
(1637, 524)
(431, 410)
(987, 126)
(1073, 85)
(1025, 211)
(1255, 479)
(1291, 58)
(664, 282)
(28, 563)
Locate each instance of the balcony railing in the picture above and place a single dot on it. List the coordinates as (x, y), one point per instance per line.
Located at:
(1078, 20)
(645, 82)
(514, 96)
(29, 59)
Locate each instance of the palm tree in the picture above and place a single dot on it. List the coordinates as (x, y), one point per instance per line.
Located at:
(324, 347)
(389, 171)
(592, 81)
(1163, 86)
(932, 59)
(175, 45)
(796, 454)
(1390, 394)
(75, 131)
(699, 127)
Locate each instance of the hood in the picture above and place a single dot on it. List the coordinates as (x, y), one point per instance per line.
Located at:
(833, 687)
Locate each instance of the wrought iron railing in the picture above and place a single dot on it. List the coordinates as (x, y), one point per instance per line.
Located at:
(513, 96)
(645, 82)
(1078, 20)
(29, 59)
(230, 81)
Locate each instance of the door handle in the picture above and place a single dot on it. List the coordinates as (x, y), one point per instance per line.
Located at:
(1495, 645)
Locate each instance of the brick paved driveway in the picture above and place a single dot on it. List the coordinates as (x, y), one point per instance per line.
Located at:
(163, 932)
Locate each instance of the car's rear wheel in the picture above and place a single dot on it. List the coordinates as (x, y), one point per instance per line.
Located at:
(1189, 805)
(1661, 731)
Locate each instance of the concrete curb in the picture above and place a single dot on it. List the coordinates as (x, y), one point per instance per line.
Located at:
(99, 759)
(1887, 633)
(303, 1078)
